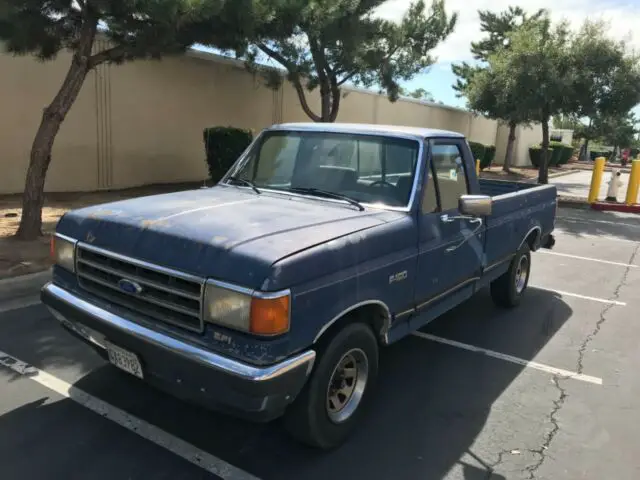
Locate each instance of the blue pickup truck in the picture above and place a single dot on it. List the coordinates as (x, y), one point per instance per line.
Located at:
(271, 293)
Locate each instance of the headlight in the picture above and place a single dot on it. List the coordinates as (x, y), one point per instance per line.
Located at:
(261, 314)
(63, 252)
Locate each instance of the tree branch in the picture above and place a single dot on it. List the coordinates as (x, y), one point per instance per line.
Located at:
(295, 80)
(108, 55)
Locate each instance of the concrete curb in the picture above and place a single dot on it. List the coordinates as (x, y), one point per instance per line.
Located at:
(23, 285)
(563, 173)
(573, 202)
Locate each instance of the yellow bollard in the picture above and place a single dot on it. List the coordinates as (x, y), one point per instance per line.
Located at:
(596, 179)
(477, 168)
(634, 183)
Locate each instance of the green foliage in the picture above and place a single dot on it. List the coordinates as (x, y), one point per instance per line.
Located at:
(608, 80)
(339, 41)
(489, 156)
(478, 151)
(223, 146)
(135, 29)
(562, 153)
(619, 130)
(418, 94)
(535, 156)
(487, 94)
(593, 154)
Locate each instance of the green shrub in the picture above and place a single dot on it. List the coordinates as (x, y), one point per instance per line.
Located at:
(489, 156)
(562, 153)
(535, 155)
(478, 151)
(223, 146)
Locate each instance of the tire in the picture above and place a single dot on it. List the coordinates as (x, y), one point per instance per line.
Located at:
(508, 289)
(312, 419)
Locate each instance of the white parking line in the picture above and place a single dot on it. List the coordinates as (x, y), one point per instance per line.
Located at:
(579, 236)
(608, 222)
(175, 445)
(577, 257)
(583, 297)
(509, 358)
(19, 303)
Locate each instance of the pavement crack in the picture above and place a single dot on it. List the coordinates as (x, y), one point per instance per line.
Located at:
(491, 468)
(541, 452)
(603, 313)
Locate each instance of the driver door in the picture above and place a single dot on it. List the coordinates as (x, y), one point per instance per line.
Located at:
(450, 249)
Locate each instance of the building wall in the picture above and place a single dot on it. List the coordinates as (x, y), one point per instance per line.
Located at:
(141, 122)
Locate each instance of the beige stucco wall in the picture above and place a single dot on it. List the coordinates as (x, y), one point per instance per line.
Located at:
(141, 123)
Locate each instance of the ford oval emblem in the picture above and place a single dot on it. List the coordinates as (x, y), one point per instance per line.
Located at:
(129, 286)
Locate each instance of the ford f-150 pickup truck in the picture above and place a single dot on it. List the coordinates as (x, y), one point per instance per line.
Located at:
(271, 293)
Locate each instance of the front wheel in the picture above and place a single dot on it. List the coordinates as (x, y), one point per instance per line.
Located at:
(508, 289)
(329, 407)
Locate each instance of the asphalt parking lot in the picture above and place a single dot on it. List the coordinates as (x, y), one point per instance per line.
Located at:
(547, 391)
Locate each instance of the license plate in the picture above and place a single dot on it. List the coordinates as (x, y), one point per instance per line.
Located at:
(124, 360)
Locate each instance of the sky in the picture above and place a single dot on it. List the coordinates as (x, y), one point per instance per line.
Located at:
(624, 18)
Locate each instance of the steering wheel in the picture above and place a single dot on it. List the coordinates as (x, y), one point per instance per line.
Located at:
(382, 182)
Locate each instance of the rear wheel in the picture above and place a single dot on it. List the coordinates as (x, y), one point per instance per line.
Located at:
(326, 412)
(508, 289)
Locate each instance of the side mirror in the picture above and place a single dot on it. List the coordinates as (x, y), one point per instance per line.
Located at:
(475, 205)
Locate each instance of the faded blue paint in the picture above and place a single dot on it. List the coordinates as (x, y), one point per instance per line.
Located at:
(331, 255)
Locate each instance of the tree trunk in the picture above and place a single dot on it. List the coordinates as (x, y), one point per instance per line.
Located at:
(508, 158)
(584, 152)
(543, 171)
(326, 104)
(52, 118)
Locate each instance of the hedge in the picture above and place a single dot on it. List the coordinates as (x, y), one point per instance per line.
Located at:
(489, 156)
(562, 153)
(478, 150)
(223, 146)
(595, 154)
(535, 155)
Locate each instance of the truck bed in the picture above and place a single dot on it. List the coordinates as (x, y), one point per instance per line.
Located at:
(518, 207)
(496, 188)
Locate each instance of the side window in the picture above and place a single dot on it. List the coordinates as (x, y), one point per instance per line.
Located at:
(448, 166)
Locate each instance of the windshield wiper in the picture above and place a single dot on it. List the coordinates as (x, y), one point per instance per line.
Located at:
(326, 193)
(245, 182)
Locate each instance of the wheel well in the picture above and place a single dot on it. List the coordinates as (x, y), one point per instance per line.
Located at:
(533, 239)
(375, 315)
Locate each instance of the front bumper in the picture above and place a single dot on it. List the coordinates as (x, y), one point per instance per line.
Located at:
(181, 369)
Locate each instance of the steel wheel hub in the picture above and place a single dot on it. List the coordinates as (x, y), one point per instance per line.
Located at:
(346, 386)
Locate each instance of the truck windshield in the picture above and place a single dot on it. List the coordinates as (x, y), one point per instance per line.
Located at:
(368, 169)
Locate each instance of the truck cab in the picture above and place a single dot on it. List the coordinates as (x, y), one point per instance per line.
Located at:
(272, 292)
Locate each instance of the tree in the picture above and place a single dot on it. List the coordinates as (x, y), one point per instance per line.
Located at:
(607, 85)
(537, 70)
(418, 94)
(136, 29)
(340, 41)
(619, 131)
(483, 94)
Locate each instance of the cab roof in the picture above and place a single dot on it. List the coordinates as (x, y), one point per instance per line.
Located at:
(368, 128)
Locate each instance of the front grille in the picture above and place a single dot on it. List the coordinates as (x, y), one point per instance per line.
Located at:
(166, 296)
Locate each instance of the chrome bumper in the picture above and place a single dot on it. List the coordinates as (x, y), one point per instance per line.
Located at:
(225, 365)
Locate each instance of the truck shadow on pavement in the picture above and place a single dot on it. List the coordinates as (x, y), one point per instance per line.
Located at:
(432, 401)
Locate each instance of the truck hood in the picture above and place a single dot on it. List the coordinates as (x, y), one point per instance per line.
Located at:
(224, 232)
